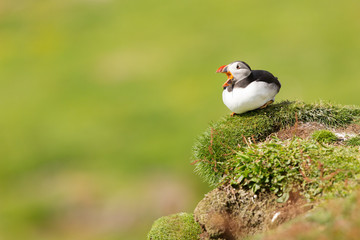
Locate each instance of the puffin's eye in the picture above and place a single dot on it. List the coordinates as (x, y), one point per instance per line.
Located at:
(237, 66)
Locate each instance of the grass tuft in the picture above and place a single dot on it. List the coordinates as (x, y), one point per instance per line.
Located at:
(324, 136)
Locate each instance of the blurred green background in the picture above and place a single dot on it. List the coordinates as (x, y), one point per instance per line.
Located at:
(101, 100)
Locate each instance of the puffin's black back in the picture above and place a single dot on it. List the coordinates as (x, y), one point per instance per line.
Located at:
(265, 76)
(258, 76)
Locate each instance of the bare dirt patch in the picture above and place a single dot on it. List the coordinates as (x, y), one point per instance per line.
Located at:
(300, 129)
(305, 130)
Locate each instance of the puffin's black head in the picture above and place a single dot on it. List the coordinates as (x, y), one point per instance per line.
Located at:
(235, 71)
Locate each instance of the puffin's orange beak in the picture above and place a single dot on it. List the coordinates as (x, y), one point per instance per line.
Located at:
(224, 69)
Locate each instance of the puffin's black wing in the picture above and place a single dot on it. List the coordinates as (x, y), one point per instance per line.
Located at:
(265, 76)
(257, 76)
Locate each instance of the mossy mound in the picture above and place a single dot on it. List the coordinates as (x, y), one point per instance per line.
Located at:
(224, 138)
(180, 226)
(258, 174)
(269, 166)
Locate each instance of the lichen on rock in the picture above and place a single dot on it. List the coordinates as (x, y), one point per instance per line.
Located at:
(230, 213)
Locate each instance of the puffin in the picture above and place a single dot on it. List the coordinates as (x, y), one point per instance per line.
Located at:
(246, 89)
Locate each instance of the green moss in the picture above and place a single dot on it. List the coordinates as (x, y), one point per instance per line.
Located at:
(180, 226)
(324, 136)
(224, 138)
(354, 141)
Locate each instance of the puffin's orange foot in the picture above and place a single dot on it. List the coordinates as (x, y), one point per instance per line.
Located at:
(233, 114)
(266, 104)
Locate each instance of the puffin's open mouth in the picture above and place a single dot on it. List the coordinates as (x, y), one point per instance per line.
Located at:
(224, 69)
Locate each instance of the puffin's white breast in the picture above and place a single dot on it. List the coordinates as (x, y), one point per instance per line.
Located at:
(253, 96)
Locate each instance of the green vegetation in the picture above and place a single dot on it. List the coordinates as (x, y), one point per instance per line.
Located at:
(224, 139)
(354, 141)
(310, 167)
(324, 136)
(180, 226)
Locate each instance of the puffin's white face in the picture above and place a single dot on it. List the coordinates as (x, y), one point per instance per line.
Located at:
(239, 70)
(235, 72)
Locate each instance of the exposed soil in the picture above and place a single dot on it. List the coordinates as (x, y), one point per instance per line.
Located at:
(300, 129)
(351, 130)
(305, 130)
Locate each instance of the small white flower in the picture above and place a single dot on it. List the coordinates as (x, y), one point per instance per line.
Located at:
(275, 216)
